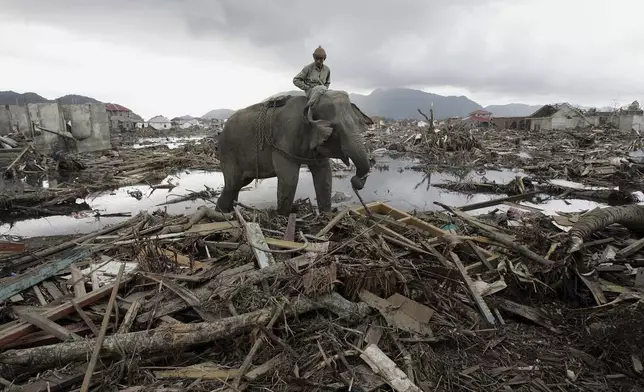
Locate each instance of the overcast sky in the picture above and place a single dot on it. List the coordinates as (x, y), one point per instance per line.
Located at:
(176, 57)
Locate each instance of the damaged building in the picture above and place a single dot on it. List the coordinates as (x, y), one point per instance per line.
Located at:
(512, 122)
(121, 118)
(52, 126)
(565, 116)
(558, 117)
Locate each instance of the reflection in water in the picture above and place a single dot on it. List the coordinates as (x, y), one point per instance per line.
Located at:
(403, 189)
(171, 142)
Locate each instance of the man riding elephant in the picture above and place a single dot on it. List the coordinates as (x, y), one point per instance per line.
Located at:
(315, 78)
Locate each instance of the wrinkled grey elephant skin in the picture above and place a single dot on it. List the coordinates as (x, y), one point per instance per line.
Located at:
(334, 130)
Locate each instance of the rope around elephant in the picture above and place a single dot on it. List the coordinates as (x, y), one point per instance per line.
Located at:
(263, 137)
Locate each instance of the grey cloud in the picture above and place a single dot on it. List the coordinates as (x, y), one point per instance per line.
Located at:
(388, 43)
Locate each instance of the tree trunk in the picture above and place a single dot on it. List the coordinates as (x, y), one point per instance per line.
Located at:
(630, 216)
(172, 336)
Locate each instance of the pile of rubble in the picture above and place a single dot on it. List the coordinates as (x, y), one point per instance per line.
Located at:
(370, 298)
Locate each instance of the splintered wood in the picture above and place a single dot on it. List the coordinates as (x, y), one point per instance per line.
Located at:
(349, 301)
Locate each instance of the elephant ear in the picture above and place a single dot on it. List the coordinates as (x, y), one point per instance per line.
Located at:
(321, 130)
(367, 120)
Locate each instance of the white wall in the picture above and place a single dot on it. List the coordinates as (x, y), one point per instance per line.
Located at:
(160, 125)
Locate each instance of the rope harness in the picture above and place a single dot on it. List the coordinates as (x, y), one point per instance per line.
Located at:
(264, 136)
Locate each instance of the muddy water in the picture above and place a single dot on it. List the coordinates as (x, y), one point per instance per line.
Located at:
(391, 181)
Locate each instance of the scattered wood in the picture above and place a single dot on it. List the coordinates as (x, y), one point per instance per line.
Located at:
(476, 297)
(381, 364)
(48, 326)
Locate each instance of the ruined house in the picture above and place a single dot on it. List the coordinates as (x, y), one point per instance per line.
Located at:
(52, 126)
(518, 123)
(160, 122)
(558, 117)
(480, 118)
(121, 118)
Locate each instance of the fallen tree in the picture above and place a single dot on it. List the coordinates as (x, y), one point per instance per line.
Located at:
(631, 216)
(173, 336)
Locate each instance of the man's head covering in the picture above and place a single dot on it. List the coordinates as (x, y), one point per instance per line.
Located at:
(319, 52)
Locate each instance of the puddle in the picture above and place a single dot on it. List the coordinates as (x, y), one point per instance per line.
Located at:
(389, 182)
(171, 142)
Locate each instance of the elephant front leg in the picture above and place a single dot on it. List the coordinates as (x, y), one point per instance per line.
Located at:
(322, 180)
(288, 173)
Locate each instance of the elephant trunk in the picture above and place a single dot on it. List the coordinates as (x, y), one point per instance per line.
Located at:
(354, 148)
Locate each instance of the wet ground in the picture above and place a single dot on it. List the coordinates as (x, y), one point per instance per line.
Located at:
(392, 181)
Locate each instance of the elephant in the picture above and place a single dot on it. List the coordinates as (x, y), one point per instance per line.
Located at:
(290, 136)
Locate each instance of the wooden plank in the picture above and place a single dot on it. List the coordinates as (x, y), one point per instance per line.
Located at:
(78, 281)
(85, 318)
(375, 207)
(492, 203)
(48, 326)
(181, 259)
(522, 207)
(12, 247)
(39, 296)
(322, 247)
(130, 316)
(20, 329)
(410, 220)
(480, 255)
(381, 364)
(332, 223)
(256, 240)
(632, 248)
(14, 286)
(53, 290)
(213, 227)
(93, 275)
(478, 300)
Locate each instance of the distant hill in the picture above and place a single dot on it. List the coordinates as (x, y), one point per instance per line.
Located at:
(14, 98)
(219, 114)
(73, 99)
(402, 103)
(512, 110)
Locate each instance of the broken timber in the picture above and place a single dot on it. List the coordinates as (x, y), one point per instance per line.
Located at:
(406, 219)
(39, 274)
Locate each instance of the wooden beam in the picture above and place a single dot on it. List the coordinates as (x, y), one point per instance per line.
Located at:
(492, 203)
(48, 326)
(85, 318)
(38, 274)
(19, 329)
(478, 299)
(78, 281)
(256, 240)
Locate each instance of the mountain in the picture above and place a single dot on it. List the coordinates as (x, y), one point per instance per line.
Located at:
(512, 110)
(219, 114)
(402, 103)
(13, 98)
(73, 99)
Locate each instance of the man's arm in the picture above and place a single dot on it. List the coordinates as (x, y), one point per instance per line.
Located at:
(300, 79)
(328, 79)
